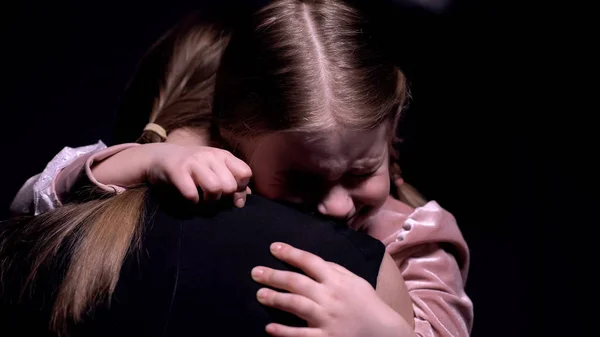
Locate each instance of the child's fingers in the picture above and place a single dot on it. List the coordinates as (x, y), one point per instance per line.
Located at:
(339, 268)
(292, 303)
(185, 184)
(279, 330)
(239, 198)
(207, 180)
(311, 264)
(228, 183)
(240, 170)
(287, 280)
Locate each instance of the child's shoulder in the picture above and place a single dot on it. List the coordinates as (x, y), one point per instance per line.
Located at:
(396, 221)
(395, 205)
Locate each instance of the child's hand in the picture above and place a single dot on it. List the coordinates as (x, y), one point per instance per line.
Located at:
(217, 172)
(333, 300)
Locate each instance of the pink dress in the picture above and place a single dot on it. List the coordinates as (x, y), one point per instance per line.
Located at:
(426, 242)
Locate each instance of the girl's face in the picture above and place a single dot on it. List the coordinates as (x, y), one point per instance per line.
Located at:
(341, 174)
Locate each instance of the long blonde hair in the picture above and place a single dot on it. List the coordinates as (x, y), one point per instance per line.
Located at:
(294, 65)
(99, 232)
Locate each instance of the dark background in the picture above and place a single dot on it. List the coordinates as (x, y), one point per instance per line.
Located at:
(475, 140)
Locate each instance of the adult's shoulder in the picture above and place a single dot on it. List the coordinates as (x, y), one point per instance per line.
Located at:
(261, 222)
(216, 246)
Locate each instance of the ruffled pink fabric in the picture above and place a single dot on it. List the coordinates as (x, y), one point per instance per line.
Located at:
(44, 192)
(433, 257)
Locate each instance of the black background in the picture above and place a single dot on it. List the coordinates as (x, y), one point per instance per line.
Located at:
(475, 141)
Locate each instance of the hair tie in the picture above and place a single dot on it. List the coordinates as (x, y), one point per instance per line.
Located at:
(157, 129)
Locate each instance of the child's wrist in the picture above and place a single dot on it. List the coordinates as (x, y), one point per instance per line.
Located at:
(148, 160)
(125, 168)
(142, 159)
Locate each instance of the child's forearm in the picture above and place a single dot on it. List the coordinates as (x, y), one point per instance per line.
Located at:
(130, 167)
(126, 168)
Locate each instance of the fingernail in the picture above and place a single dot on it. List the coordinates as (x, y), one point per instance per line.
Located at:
(239, 203)
(271, 328)
(257, 273)
(261, 294)
(276, 247)
(321, 208)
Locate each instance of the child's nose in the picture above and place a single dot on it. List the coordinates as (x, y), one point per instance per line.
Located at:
(337, 204)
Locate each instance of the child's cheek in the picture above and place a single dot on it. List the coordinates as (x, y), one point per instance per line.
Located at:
(374, 191)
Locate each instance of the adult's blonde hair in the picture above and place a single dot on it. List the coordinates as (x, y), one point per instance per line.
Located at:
(294, 65)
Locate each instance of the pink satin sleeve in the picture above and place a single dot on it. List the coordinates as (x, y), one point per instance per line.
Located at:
(433, 257)
(45, 191)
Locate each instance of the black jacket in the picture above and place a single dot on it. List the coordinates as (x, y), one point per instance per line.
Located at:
(191, 276)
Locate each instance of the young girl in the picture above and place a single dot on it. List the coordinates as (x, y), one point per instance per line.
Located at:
(308, 105)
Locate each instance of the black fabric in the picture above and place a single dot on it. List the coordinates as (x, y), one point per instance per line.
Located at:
(191, 276)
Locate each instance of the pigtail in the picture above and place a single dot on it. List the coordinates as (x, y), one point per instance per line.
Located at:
(403, 191)
(400, 189)
(186, 91)
(97, 235)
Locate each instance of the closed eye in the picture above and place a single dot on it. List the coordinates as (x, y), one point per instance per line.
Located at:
(363, 175)
(354, 179)
(366, 171)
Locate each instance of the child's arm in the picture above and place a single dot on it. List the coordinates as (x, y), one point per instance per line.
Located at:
(433, 258)
(392, 290)
(45, 191)
(113, 169)
(187, 167)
